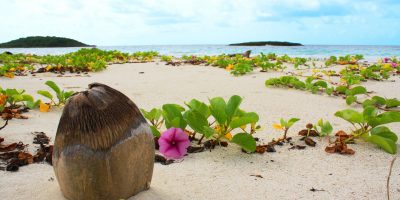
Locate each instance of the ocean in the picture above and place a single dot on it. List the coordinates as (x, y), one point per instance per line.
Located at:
(370, 52)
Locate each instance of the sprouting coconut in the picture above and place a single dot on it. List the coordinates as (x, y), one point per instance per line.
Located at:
(103, 148)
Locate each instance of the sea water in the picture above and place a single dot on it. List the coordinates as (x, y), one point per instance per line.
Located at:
(370, 52)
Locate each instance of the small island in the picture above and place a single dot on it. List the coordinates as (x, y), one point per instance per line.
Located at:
(40, 41)
(265, 43)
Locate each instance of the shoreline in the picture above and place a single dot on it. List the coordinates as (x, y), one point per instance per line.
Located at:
(224, 172)
(371, 53)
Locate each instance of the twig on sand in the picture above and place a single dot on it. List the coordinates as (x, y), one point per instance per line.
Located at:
(5, 124)
(388, 179)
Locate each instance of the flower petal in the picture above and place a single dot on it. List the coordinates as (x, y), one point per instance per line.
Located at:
(182, 147)
(173, 143)
(180, 135)
(277, 126)
(172, 152)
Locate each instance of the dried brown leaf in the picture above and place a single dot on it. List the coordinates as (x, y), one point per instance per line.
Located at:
(9, 147)
(310, 142)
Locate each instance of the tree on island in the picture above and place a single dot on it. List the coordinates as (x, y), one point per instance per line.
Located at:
(40, 41)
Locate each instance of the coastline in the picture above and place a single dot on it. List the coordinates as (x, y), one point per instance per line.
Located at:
(225, 173)
(371, 52)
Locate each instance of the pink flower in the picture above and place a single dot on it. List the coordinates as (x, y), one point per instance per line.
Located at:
(386, 60)
(174, 143)
(394, 64)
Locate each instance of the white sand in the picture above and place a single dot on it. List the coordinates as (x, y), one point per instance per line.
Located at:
(223, 173)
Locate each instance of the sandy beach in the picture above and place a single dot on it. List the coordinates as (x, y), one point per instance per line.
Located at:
(224, 173)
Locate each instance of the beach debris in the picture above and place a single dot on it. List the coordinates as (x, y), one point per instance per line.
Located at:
(16, 156)
(299, 147)
(192, 149)
(16, 113)
(209, 144)
(265, 148)
(316, 190)
(18, 159)
(105, 116)
(44, 153)
(40, 138)
(340, 146)
(308, 132)
(310, 142)
(161, 159)
(257, 175)
(174, 63)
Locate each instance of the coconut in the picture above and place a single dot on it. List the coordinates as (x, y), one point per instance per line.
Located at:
(104, 148)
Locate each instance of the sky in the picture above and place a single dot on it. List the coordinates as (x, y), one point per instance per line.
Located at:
(161, 22)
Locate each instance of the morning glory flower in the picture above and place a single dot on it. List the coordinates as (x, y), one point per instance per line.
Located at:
(386, 60)
(174, 143)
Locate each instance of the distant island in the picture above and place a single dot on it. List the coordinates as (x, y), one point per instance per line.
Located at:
(40, 41)
(264, 43)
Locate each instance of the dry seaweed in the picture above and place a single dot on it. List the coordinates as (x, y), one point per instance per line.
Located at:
(192, 149)
(40, 138)
(299, 147)
(340, 146)
(15, 156)
(16, 113)
(161, 159)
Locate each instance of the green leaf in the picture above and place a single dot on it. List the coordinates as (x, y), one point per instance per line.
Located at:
(329, 90)
(385, 118)
(369, 112)
(45, 94)
(155, 132)
(27, 97)
(283, 122)
(341, 89)
(200, 107)
(326, 128)
(350, 99)
(351, 116)
(68, 94)
(385, 143)
(357, 90)
(53, 86)
(245, 140)
(385, 132)
(321, 84)
(379, 100)
(247, 118)
(208, 131)
(232, 106)
(155, 114)
(173, 116)
(145, 114)
(217, 108)
(392, 103)
(11, 92)
(33, 104)
(291, 122)
(195, 120)
(174, 122)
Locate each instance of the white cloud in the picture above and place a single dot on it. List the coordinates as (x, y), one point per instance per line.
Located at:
(110, 22)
